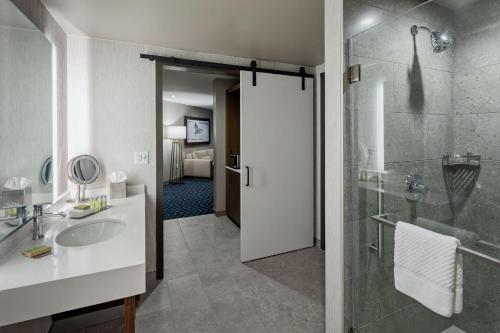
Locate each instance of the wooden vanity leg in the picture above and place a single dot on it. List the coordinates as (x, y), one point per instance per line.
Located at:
(129, 303)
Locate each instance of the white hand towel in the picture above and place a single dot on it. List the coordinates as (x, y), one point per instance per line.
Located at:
(428, 268)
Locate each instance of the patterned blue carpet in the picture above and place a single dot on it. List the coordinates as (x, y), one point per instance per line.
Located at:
(194, 197)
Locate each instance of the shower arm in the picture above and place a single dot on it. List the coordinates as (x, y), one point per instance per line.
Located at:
(415, 28)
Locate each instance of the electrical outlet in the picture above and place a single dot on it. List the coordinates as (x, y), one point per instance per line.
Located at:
(141, 157)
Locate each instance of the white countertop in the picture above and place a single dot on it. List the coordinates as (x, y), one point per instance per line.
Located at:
(233, 169)
(125, 253)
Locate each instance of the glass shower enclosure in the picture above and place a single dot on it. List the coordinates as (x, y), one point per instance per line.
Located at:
(423, 146)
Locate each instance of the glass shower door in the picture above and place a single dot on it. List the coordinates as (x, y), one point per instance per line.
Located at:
(423, 148)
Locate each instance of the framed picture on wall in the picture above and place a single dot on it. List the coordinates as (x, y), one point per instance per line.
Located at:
(197, 130)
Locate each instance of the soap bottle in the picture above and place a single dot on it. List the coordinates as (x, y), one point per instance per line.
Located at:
(104, 201)
(97, 204)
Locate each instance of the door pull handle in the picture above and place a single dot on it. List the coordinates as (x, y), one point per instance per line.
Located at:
(248, 176)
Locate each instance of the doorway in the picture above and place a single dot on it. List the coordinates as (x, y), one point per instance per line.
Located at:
(189, 144)
(203, 257)
(277, 130)
(191, 184)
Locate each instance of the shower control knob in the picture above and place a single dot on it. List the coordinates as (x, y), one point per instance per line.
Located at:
(414, 187)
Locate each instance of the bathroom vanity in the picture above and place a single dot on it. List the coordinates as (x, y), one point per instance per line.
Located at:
(102, 259)
(95, 260)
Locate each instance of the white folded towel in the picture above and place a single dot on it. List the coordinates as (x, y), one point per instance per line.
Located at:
(428, 268)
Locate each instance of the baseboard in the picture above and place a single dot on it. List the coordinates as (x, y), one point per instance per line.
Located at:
(221, 213)
(35, 325)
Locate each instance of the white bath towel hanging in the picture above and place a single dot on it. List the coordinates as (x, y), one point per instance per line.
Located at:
(428, 268)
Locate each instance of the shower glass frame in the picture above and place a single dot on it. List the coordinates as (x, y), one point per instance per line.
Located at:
(404, 119)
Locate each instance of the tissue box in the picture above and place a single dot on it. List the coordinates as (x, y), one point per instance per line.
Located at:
(117, 190)
(20, 197)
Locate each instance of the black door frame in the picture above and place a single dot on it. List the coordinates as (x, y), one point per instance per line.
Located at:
(322, 159)
(160, 62)
(159, 169)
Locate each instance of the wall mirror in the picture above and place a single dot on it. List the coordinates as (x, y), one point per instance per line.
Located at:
(83, 170)
(25, 118)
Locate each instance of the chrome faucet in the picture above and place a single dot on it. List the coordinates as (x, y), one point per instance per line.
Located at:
(38, 215)
(37, 223)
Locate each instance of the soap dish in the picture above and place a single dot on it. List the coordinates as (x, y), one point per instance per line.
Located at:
(38, 252)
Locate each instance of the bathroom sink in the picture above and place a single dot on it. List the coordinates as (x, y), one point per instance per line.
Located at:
(90, 232)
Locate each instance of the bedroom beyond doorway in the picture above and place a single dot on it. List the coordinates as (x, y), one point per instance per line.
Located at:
(190, 144)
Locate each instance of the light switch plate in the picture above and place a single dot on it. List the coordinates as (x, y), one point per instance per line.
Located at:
(141, 157)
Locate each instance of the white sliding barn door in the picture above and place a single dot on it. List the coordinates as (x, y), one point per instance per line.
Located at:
(277, 156)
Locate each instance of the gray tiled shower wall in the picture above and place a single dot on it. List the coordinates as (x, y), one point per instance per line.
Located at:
(432, 104)
(476, 105)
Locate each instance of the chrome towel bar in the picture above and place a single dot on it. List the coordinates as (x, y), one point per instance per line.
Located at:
(382, 219)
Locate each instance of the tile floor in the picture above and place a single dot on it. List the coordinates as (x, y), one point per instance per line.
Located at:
(207, 289)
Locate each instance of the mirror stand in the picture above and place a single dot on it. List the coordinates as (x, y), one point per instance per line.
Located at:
(79, 194)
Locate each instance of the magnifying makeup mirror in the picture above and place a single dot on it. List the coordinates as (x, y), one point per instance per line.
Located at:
(83, 170)
(46, 172)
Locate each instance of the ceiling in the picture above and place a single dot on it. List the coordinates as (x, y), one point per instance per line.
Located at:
(189, 88)
(455, 4)
(289, 31)
(10, 16)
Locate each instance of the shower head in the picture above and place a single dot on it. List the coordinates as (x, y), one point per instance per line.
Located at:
(440, 41)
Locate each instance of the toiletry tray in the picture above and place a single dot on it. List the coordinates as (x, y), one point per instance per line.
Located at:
(90, 213)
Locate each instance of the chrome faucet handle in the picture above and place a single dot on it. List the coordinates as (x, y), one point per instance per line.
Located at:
(43, 204)
(414, 187)
(37, 210)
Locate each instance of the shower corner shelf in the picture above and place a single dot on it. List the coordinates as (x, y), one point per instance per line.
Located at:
(468, 159)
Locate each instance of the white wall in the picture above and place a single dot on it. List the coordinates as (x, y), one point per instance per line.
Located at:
(173, 114)
(220, 87)
(111, 106)
(112, 109)
(334, 121)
